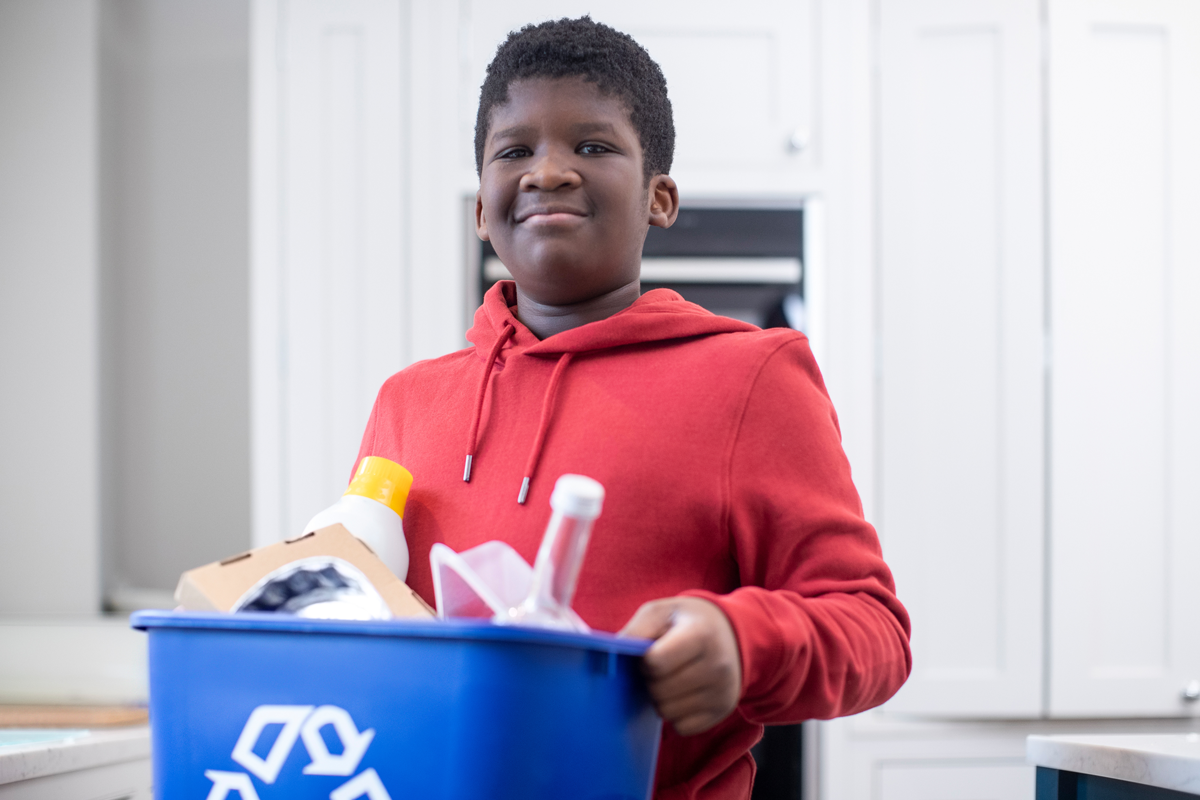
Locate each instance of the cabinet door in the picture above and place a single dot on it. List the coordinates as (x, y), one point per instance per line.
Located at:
(949, 781)
(1125, 409)
(329, 287)
(960, 347)
(740, 76)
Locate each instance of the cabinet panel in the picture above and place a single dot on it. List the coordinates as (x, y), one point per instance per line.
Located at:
(960, 388)
(1125, 449)
(329, 279)
(740, 78)
(951, 781)
(878, 756)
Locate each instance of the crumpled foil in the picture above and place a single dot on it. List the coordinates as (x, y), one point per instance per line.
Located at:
(318, 587)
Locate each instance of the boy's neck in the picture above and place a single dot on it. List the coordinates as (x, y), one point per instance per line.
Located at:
(546, 320)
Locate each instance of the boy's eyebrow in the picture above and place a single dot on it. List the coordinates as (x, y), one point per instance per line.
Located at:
(593, 127)
(579, 129)
(515, 130)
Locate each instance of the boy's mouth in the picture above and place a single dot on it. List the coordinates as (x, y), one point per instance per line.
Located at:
(550, 215)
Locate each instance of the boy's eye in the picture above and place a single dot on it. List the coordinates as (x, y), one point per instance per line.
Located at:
(591, 149)
(514, 152)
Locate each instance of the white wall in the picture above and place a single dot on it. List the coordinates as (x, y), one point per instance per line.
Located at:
(124, 295)
(175, 286)
(48, 309)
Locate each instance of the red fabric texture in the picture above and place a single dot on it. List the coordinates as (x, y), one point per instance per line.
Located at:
(721, 458)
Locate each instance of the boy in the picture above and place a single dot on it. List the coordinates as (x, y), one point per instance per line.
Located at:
(731, 532)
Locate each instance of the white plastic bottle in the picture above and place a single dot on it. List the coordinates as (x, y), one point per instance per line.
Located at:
(372, 509)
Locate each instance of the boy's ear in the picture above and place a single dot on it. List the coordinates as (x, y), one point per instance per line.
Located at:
(664, 201)
(480, 220)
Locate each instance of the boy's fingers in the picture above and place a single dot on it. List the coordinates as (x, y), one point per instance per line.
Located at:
(696, 723)
(686, 705)
(691, 638)
(693, 668)
(650, 621)
(695, 676)
(675, 650)
(698, 689)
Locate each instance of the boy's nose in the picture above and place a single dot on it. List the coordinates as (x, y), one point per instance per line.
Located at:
(549, 172)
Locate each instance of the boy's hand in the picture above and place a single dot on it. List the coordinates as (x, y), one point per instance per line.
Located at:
(694, 668)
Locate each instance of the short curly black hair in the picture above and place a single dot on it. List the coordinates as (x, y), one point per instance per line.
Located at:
(612, 60)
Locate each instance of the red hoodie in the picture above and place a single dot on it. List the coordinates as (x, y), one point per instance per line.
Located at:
(724, 478)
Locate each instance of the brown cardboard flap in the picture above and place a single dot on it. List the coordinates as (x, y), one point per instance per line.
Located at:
(217, 586)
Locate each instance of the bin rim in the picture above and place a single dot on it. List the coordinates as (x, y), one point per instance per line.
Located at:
(460, 629)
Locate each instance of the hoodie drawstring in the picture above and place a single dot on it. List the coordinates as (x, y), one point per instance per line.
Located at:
(473, 435)
(535, 453)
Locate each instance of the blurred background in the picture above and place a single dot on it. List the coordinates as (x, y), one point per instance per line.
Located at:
(223, 223)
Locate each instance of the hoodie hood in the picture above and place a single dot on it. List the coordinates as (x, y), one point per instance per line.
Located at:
(658, 315)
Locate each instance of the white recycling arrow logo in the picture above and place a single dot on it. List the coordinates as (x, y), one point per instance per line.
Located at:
(354, 744)
(226, 782)
(365, 785)
(267, 769)
(304, 723)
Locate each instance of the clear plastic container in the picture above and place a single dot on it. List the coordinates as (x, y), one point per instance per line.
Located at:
(493, 580)
(483, 582)
(373, 509)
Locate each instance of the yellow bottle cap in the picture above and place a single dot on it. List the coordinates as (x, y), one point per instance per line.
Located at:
(382, 480)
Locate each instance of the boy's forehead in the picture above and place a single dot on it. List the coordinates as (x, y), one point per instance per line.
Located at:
(561, 97)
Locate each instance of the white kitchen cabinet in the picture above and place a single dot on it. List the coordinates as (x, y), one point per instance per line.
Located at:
(877, 756)
(1036, 385)
(959, 486)
(983, 780)
(742, 78)
(869, 757)
(1038, 352)
(1125, 359)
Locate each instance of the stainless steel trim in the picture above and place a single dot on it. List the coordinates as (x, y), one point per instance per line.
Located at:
(695, 270)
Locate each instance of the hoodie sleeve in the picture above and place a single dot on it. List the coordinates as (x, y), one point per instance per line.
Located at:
(367, 447)
(819, 626)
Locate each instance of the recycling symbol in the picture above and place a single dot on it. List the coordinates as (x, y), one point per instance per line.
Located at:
(304, 723)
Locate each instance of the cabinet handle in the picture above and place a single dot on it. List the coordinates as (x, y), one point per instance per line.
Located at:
(1191, 692)
(798, 141)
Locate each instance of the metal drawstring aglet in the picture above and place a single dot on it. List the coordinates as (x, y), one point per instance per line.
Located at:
(467, 470)
(524, 491)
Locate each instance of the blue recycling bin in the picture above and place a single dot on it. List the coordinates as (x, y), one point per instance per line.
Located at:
(262, 706)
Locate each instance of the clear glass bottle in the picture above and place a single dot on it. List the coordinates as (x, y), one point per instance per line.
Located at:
(575, 504)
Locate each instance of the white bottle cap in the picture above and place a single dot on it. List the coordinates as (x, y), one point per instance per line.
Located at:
(577, 496)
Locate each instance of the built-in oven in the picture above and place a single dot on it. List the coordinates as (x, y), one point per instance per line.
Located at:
(745, 262)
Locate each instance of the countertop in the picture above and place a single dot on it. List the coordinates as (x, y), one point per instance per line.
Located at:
(1166, 761)
(34, 753)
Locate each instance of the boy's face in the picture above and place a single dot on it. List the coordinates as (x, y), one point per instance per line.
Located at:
(562, 197)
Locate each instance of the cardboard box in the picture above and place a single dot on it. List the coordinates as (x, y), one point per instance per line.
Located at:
(217, 586)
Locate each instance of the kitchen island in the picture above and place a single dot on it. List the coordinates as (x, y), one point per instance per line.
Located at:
(1116, 766)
